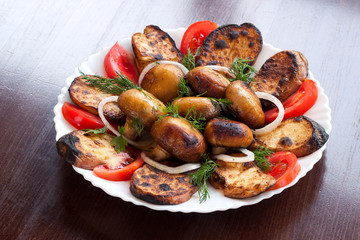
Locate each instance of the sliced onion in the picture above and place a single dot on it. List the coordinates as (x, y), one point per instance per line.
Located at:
(220, 68)
(271, 126)
(227, 158)
(171, 170)
(154, 64)
(108, 125)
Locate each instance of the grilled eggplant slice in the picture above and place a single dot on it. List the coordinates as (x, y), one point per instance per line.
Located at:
(88, 98)
(153, 45)
(300, 135)
(228, 42)
(281, 75)
(240, 180)
(158, 187)
(85, 150)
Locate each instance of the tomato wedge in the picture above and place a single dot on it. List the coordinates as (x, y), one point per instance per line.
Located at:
(79, 118)
(120, 60)
(195, 34)
(121, 170)
(298, 103)
(285, 167)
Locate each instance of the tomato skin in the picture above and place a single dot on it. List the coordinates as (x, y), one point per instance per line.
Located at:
(298, 103)
(79, 118)
(120, 60)
(120, 174)
(195, 34)
(285, 168)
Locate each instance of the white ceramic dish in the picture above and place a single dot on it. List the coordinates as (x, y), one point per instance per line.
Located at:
(320, 112)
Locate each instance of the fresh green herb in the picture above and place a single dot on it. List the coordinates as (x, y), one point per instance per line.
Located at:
(196, 120)
(96, 131)
(242, 70)
(137, 125)
(201, 176)
(115, 85)
(184, 90)
(220, 103)
(260, 158)
(189, 59)
(119, 142)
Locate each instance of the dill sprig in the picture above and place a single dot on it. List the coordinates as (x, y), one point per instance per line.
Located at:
(137, 125)
(184, 90)
(118, 142)
(115, 85)
(260, 158)
(196, 120)
(201, 176)
(189, 59)
(242, 70)
(220, 103)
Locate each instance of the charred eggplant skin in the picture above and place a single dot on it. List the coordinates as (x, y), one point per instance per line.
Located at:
(203, 80)
(66, 148)
(228, 133)
(246, 106)
(180, 138)
(135, 103)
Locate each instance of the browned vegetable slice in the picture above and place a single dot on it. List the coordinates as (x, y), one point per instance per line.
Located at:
(180, 138)
(300, 135)
(245, 106)
(153, 45)
(281, 75)
(158, 187)
(227, 133)
(88, 98)
(228, 42)
(85, 151)
(199, 105)
(203, 80)
(240, 180)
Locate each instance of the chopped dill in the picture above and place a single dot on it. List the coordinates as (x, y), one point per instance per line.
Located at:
(242, 70)
(260, 158)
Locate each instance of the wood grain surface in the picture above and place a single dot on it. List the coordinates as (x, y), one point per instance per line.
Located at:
(42, 42)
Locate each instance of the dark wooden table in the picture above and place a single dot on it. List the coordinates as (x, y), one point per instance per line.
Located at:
(43, 198)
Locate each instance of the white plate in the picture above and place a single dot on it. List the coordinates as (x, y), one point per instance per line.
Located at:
(320, 112)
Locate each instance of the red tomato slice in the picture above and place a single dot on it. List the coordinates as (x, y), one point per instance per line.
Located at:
(285, 168)
(79, 118)
(120, 60)
(195, 34)
(298, 103)
(121, 170)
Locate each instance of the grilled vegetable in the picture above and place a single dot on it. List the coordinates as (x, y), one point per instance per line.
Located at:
(152, 45)
(180, 138)
(196, 105)
(228, 42)
(85, 150)
(162, 81)
(281, 75)
(157, 153)
(240, 180)
(210, 83)
(88, 98)
(158, 187)
(300, 135)
(139, 103)
(246, 106)
(227, 133)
